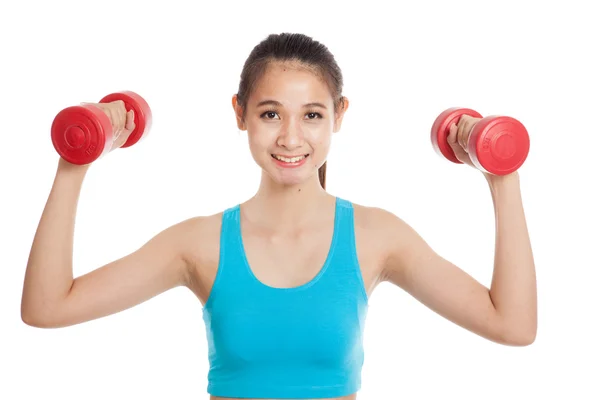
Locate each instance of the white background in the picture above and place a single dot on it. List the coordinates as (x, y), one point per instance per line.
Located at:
(403, 64)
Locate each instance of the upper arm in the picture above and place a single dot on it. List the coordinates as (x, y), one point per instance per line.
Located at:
(410, 263)
(157, 266)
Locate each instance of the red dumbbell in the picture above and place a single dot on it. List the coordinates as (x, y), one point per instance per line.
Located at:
(498, 145)
(83, 134)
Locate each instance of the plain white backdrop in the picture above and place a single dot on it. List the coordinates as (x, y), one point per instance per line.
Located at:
(403, 63)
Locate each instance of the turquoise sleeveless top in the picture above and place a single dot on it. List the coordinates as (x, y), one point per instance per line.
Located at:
(283, 343)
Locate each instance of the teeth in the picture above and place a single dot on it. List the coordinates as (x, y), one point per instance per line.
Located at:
(289, 160)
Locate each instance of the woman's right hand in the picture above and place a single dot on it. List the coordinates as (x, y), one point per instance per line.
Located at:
(122, 120)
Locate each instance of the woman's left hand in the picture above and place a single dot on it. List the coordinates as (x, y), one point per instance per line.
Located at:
(458, 139)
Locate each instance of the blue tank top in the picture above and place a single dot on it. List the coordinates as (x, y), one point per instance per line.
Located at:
(301, 342)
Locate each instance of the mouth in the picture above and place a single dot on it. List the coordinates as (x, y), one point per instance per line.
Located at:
(288, 162)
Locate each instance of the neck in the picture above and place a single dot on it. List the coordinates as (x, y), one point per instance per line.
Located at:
(287, 205)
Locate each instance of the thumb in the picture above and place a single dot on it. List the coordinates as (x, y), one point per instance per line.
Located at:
(130, 121)
(452, 138)
(453, 141)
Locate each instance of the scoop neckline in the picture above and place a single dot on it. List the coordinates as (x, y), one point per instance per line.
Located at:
(306, 285)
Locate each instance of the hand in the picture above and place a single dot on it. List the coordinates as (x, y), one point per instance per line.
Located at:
(122, 120)
(458, 139)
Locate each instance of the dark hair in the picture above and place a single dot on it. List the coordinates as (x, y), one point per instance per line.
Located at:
(291, 47)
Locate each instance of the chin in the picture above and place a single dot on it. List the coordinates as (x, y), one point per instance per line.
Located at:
(288, 179)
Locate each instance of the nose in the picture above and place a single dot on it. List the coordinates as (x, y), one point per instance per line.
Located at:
(291, 136)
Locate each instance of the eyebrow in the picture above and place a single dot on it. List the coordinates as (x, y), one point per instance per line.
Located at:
(278, 104)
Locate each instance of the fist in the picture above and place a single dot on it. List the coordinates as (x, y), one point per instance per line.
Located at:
(458, 139)
(122, 121)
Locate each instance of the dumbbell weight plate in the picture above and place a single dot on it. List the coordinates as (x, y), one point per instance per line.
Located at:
(498, 144)
(141, 109)
(81, 134)
(441, 129)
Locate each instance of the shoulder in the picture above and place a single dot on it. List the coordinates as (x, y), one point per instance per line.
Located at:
(200, 232)
(378, 221)
(385, 234)
(195, 227)
(198, 241)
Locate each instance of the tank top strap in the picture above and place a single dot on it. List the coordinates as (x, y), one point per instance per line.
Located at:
(345, 269)
(228, 279)
(345, 215)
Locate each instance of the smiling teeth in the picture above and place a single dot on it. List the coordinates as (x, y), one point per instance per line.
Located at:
(289, 160)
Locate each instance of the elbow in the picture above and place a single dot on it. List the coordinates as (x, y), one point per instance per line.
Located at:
(27, 316)
(32, 321)
(522, 341)
(518, 331)
(36, 319)
(41, 313)
(520, 337)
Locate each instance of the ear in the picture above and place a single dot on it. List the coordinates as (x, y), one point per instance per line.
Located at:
(239, 113)
(341, 109)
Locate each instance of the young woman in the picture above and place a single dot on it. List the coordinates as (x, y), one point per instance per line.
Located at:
(285, 277)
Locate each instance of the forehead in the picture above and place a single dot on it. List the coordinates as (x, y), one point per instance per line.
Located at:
(291, 84)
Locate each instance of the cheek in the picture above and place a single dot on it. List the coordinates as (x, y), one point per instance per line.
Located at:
(259, 142)
(319, 136)
(256, 142)
(258, 130)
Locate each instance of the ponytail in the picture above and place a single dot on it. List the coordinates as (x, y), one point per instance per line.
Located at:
(322, 172)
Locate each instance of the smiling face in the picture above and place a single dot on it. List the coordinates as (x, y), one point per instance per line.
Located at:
(290, 118)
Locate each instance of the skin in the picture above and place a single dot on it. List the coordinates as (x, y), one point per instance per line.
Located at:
(290, 220)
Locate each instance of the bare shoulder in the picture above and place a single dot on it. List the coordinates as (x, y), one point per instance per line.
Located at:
(381, 233)
(379, 222)
(201, 238)
(374, 218)
(377, 232)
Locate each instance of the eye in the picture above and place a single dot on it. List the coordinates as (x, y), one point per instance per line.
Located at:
(269, 113)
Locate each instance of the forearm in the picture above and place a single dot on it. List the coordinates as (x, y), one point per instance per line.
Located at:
(49, 272)
(513, 289)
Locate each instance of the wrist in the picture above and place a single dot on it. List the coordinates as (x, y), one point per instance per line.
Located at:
(499, 182)
(65, 167)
